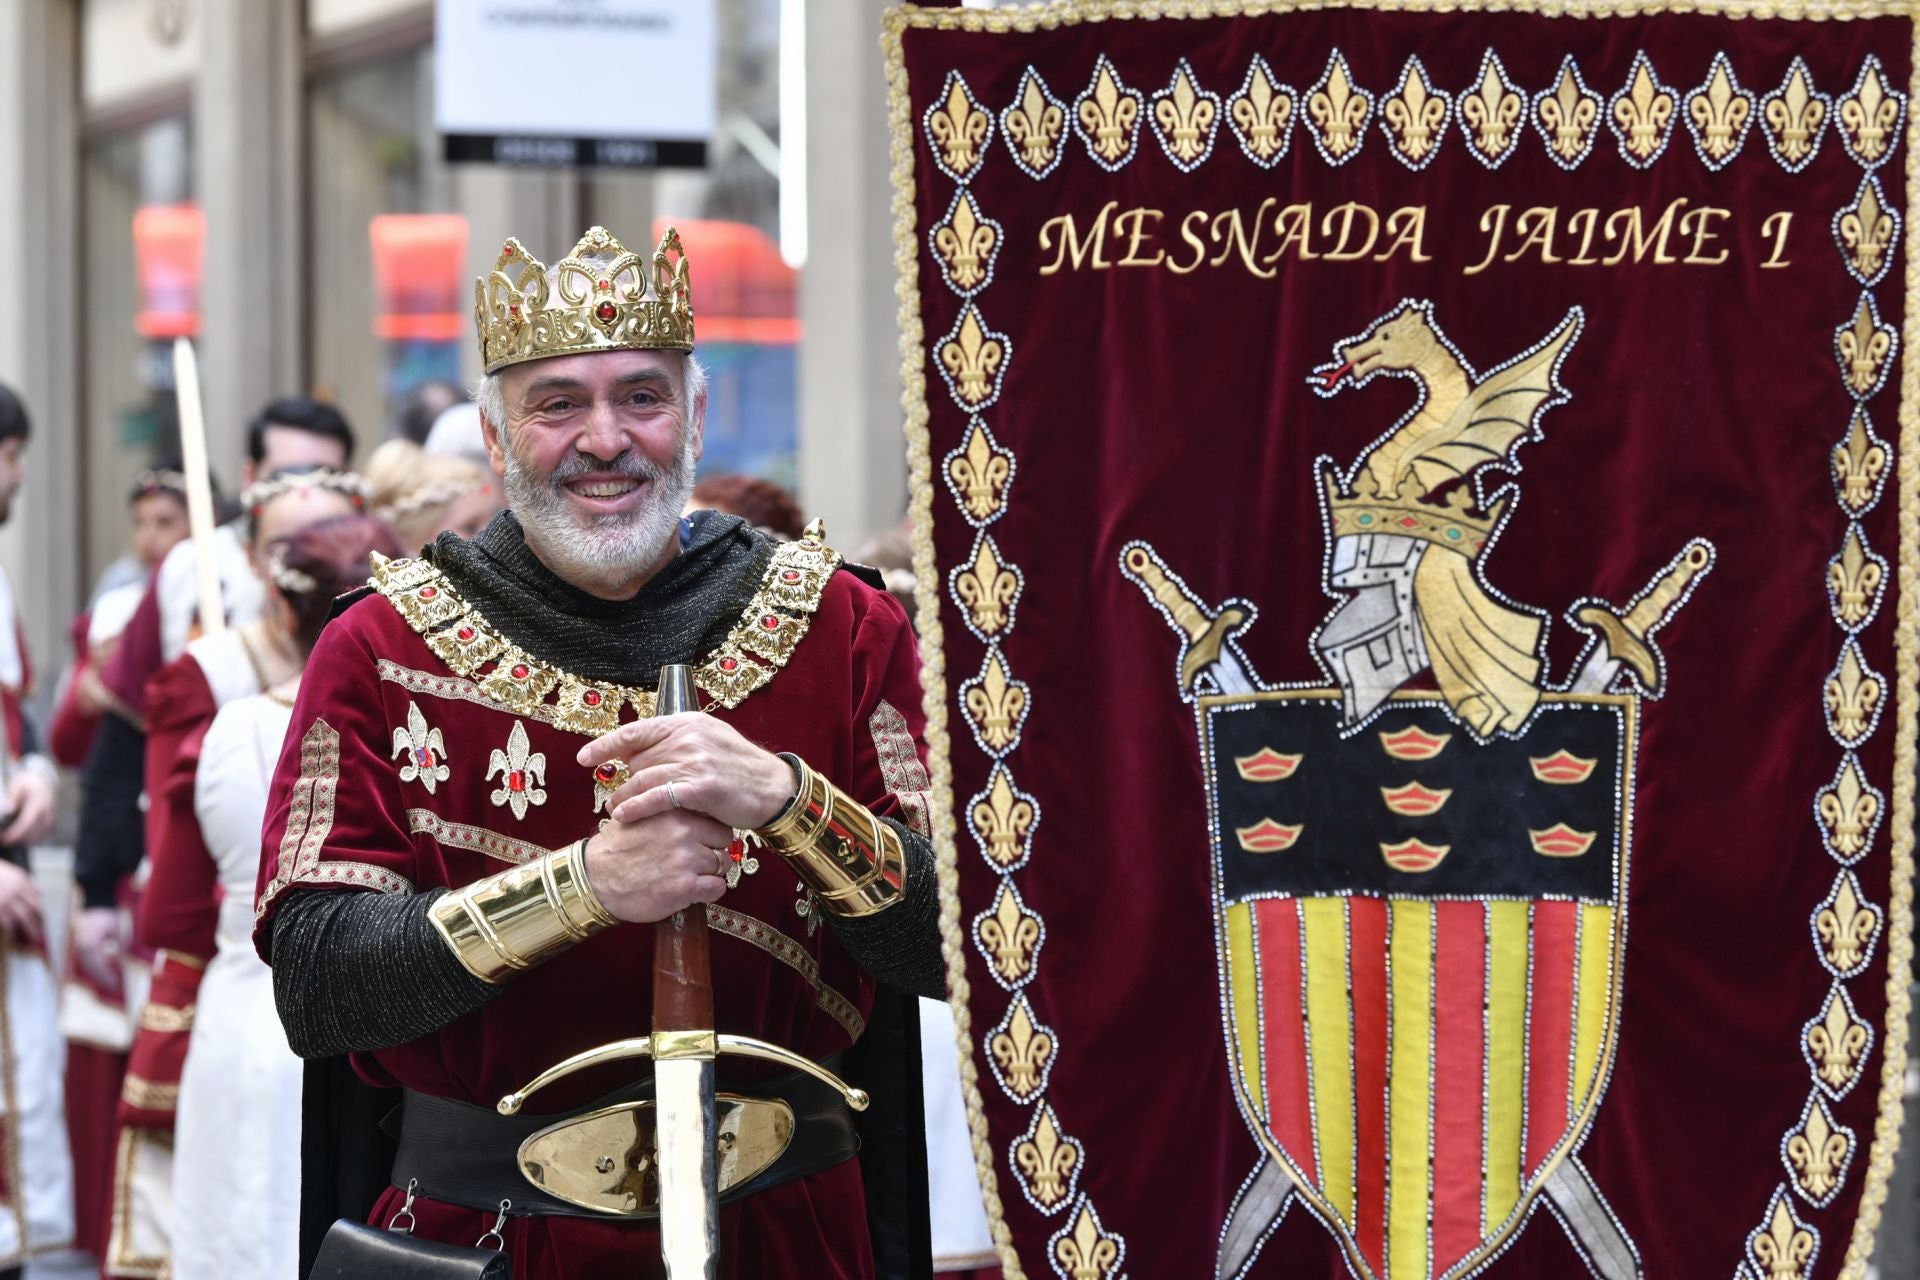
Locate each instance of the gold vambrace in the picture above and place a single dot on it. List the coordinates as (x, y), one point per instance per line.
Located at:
(850, 859)
(523, 915)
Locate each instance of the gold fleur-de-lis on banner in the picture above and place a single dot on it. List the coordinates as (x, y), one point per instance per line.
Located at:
(1849, 811)
(979, 472)
(1853, 697)
(1864, 346)
(1870, 115)
(1048, 1160)
(995, 704)
(1261, 114)
(1720, 111)
(1023, 1051)
(1491, 111)
(1642, 114)
(959, 129)
(1781, 1245)
(1854, 578)
(1339, 110)
(1184, 118)
(1003, 818)
(1866, 231)
(988, 589)
(1817, 1152)
(1034, 122)
(972, 357)
(1794, 115)
(1859, 462)
(1009, 935)
(1413, 117)
(1846, 926)
(1836, 1043)
(1567, 116)
(1108, 114)
(965, 243)
(1084, 1249)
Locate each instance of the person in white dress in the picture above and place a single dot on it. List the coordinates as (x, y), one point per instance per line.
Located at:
(236, 1173)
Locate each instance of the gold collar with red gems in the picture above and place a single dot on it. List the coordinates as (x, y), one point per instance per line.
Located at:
(768, 631)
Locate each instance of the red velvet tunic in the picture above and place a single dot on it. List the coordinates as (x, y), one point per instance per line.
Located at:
(360, 803)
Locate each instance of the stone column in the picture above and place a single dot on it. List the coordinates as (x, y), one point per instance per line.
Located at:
(852, 453)
(39, 332)
(248, 144)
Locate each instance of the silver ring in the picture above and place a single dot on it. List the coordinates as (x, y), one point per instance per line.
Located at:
(720, 856)
(671, 795)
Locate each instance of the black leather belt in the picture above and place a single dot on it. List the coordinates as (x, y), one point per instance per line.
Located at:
(459, 1153)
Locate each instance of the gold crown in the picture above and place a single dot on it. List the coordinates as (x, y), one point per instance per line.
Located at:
(608, 300)
(1451, 522)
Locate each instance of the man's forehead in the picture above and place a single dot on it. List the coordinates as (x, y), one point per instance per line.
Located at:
(594, 369)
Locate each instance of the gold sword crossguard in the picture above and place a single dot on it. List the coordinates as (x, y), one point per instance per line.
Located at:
(1206, 631)
(1626, 638)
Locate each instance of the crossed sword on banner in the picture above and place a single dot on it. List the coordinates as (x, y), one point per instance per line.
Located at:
(1619, 639)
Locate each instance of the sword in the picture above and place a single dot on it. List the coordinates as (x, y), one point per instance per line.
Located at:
(1626, 638)
(1205, 651)
(193, 462)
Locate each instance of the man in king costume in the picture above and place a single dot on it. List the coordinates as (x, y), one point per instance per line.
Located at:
(476, 819)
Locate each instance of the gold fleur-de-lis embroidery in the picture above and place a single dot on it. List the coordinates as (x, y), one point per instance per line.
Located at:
(1853, 697)
(1084, 1249)
(1818, 1152)
(1491, 111)
(1836, 1043)
(1033, 123)
(1023, 1050)
(1781, 1246)
(1003, 818)
(1854, 578)
(1414, 116)
(1009, 934)
(995, 704)
(423, 751)
(958, 128)
(979, 472)
(1262, 114)
(987, 589)
(1184, 117)
(1870, 115)
(1865, 232)
(1642, 114)
(1864, 346)
(1846, 926)
(1849, 811)
(1859, 461)
(965, 242)
(523, 773)
(1794, 114)
(1047, 1159)
(1339, 110)
(1107, 114)
(972, 357)
(1567, 116)
(1719, 111)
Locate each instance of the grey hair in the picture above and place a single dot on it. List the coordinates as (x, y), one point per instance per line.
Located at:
(490, 393)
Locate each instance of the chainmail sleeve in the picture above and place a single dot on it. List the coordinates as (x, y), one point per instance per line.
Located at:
(901, 946)
(354, 972)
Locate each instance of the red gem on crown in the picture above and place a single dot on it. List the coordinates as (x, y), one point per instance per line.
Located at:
(604, 286)
(606, 312)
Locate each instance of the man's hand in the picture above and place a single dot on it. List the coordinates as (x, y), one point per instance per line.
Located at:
(30, 801)
(19, 905)
(646, 870)
(713, 770)
(97, 943)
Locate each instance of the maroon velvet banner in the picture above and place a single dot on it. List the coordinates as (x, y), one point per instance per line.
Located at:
(1416, 567)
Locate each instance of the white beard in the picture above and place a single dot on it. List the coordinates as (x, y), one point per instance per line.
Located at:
(601, 550)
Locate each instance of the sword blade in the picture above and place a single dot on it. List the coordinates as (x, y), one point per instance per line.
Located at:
(685, 1154)
(1231, 675)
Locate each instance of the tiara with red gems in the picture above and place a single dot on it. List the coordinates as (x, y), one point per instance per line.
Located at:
(600, 297)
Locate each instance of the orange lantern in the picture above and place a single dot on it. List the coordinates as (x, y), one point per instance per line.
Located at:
(419, 265)
(168, 244)
(743, 290)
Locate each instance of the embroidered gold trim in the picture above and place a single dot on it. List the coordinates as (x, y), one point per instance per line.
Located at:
(452, 688)
(310, 822)
(12, 1196)
(458, 835)
(900, 767)
(769, 629)
(121, 1260)
(164, 1017)
(758, 933)
(149, 1095)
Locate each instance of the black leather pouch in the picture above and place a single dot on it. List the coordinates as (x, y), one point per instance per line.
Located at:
(356, 1251)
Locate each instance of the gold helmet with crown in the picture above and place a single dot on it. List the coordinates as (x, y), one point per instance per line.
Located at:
(600, 297)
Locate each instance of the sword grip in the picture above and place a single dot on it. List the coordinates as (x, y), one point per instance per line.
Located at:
(1188, 614)
(682, 963)
(1653, 607)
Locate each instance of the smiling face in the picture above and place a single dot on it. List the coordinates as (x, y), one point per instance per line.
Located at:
(598, 459)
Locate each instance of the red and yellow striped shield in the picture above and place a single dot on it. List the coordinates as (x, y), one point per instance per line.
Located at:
(1421, 940)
